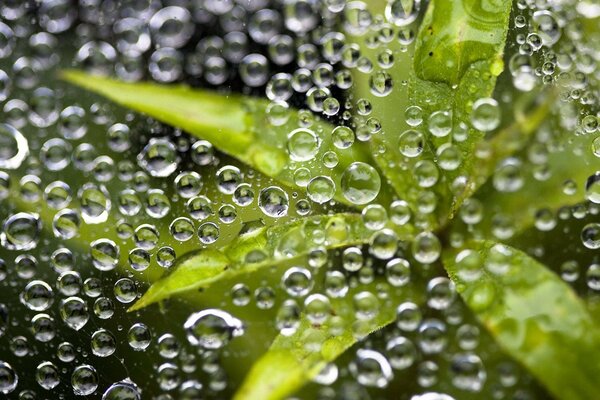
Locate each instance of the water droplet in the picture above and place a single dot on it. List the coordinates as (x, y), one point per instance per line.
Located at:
(321, 189)
(274, 202)
(84, 380)
(360, 183)
(123, 390)
(37, 295)
(171, 26)
(440, 123)
(159, 158)
(381, 83)
(468, 372)
(411, 143)
(592, 188)
(47, 375)
(303, 144)
(317, 308)
(14, 147)
(297, 281)
(547, 27)
(426, 248)
(8, 377)
(486, 114)
(440, 293)
(105, 254)
(21, 231)
(371, 368)
(139, 336)
(103, 343)
(590, 236)
(402, 352)
(398, 272)
(212, 329)
(402, 12)
(74, 312)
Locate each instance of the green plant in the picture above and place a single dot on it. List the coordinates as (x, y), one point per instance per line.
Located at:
(431, 184)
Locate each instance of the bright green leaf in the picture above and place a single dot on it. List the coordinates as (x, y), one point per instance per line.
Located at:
(294, 360)
(505, 143)
(455, 35)
(235, 124)
(259, 248)
(534, 315)
(569, 164)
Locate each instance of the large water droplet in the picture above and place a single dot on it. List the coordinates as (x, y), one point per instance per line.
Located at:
(8, 378)
(274, 202)
(360, 183)
(123, 390)
(13, 147)
(159, 158)
(371, 368)
(303, 144)
(21, 231)
(212, 329)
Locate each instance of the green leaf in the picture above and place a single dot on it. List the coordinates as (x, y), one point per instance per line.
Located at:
(259, 248)
(237, 125)
(457, 58)
(570, 162)
(294, 360)
(534, 315)
(506, 143)
(455, 35)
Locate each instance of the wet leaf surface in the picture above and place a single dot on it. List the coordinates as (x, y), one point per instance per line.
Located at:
(534, 315)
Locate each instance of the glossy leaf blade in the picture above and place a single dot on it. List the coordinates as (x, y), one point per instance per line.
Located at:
(458, 58)
(237, 125)
(506, 143)
(455, 61)
(568, 168)
(259, 248)
(292, 361)
(457, 34)
(534, 315)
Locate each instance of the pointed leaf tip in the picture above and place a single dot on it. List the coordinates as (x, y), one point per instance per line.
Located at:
(277, 244)
(240, 126)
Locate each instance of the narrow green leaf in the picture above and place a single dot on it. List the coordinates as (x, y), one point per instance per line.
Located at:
(569, 164)
(235, 124)
(458, 57)
(505, 143)
(534, 315)
(261, 247)
(294, 360)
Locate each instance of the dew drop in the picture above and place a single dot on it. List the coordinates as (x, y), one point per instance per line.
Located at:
(21, 231)
(159, 158)
(321, 189)
(8, 378)
(303, 144)
(402, 12)
(84, 380)
(274, 202)
(486, 114)
(14, 147)
(592, 188)
(590, 236)
(360, 183)
(371, 368)
(212, 329)
(123, 390)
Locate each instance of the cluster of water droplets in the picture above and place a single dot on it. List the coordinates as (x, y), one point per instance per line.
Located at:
(139, 194)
